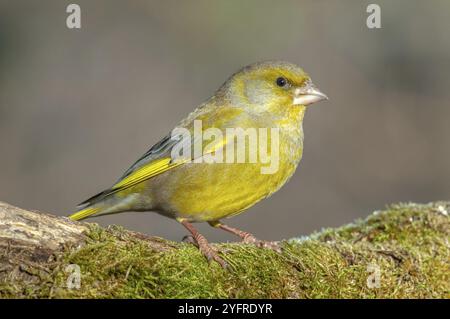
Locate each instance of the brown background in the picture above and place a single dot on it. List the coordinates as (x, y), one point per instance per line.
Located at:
(77, 107)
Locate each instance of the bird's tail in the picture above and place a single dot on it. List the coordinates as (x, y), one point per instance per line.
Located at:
(92, 206)
(85, 212)
(100, 204)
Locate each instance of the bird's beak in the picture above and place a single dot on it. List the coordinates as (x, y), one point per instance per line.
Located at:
(308, 94)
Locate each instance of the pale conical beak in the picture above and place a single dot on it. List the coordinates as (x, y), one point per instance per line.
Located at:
(308, 94)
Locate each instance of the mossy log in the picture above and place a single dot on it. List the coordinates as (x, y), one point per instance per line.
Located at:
(401, 252)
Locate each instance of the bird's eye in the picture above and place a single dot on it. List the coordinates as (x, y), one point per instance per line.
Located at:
(281, 82)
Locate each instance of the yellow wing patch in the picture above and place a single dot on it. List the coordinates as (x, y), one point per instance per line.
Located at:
(145, 172)
(157, 167)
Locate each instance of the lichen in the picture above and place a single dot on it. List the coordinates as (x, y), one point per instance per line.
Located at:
(407, 245)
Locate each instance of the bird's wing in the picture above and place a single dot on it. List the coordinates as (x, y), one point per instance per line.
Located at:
(155, 161)
(158, 160)
(160, 150)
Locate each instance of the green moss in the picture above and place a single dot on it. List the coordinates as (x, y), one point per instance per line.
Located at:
(407, 243)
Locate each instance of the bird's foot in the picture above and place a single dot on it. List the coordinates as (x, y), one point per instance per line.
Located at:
(211, 254)
(206, 249)
(250, 239)
(247, 238)
(200, 241)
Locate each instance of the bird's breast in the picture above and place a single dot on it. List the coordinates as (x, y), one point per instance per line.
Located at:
(211, 191)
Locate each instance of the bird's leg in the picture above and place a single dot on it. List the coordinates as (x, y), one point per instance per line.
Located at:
(246, 236)
(203, 244)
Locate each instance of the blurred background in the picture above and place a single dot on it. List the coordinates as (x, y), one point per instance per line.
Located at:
(78, 107)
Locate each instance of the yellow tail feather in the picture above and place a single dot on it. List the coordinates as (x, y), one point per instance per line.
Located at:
(84, 213)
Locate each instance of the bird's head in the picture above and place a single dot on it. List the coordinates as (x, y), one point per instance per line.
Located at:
(270, 86)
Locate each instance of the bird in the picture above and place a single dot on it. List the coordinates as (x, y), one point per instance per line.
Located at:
(185, 176)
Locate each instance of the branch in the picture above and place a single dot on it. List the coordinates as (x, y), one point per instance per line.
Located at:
(401, 252)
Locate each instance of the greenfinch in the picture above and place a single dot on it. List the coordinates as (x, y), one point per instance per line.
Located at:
(185, 176)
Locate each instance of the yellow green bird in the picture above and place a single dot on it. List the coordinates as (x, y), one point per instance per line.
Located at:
(197, 172)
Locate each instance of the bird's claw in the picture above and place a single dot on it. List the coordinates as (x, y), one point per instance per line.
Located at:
(208, 251)
(211, 254)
